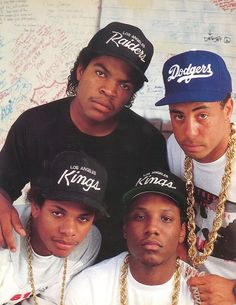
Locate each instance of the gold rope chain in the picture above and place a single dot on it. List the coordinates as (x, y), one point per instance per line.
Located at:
(123, 282)
(30, 269)
(197, 260)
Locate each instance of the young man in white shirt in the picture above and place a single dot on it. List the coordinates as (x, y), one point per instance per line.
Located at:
(61, 240)
(150, 272)
(202, 150)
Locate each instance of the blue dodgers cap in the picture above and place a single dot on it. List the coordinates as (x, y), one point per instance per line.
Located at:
(125, 41)
(160, 182)
(195, 76)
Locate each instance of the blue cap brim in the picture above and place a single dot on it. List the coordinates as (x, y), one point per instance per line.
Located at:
(192, 96)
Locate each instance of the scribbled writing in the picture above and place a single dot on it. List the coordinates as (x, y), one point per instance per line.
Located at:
(217, 38)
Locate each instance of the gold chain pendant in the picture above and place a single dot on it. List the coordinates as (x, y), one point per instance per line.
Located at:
(30, 269)
(197, 260)
(123, 282)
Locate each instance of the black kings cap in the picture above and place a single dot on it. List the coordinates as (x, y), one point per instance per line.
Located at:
(160, 182)
(74, 176)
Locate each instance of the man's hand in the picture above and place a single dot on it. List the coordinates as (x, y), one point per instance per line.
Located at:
(213, 289)
(9, 219)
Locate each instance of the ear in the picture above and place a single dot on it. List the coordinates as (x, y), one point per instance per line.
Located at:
(79, 72)
(125, 231)
(182, 234)
(35, 210)
(228, 108)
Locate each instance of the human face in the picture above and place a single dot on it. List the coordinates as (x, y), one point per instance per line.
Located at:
(202, 128)
(59, 226)
(105, 86)
(153, 231)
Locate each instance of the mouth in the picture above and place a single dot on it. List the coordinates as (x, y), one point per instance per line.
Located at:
(192, 147)
(64, 245)
(101, 105)
(151, 245)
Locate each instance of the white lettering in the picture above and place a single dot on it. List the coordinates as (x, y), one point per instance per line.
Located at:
(186, 74)
(119, 40)
(73, 176)
(155, 180)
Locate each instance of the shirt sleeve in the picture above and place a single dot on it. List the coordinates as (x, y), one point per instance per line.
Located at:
(13, 159)
(175, 157)
(4, 265)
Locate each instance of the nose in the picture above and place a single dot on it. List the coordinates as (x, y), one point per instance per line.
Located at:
(68, 227)
(152, 227)
(109, 88)
(190, 128)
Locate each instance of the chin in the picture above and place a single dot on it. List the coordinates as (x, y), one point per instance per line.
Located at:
(151, 260)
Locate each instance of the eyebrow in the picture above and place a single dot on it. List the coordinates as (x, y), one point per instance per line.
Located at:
(202, 107)
(100, 65)
(85, 212)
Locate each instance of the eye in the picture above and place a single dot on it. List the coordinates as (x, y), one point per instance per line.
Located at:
(166, 219)
(177, 116)
(100, 73)
(136, 217)
(203, 116)
(57, 213)
(85, 218)
(125, 86)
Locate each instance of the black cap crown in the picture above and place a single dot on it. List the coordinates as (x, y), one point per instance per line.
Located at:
(126, 42)
(161, 182)
(74, 176)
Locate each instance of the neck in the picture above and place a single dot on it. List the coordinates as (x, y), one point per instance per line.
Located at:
(89, 126)
(36, 243)
(152, 274)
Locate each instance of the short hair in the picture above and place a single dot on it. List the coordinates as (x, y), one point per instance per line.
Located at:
(224, 101)
(83, 59)
(34, 194)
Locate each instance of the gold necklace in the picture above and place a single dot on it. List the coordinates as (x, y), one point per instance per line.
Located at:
(197, 260)
(123, 282)
(30, 268)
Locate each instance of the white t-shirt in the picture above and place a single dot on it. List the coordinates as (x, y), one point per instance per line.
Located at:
(99, 285)
(207, 181)
(47, 270)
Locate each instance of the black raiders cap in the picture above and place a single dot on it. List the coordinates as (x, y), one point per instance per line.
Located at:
(125, 41)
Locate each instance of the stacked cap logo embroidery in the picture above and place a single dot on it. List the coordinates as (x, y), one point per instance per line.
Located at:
(150, 180)
(189, 73)
(129, 41)
(75, 176)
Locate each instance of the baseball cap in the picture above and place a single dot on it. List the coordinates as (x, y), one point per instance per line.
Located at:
(195, 76)
(160, 182)
(74, 176)
(125, 41)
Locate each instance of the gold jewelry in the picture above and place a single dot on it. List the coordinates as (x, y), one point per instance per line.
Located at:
(123, 282)
(30, 268)
(220, 207)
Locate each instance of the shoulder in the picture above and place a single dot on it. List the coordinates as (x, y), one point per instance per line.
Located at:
(45, 109)
(134, 122)
(97, 284)
(171, 142)
(175, 156)
(102, 270)
(128, 116)
(89, 244)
